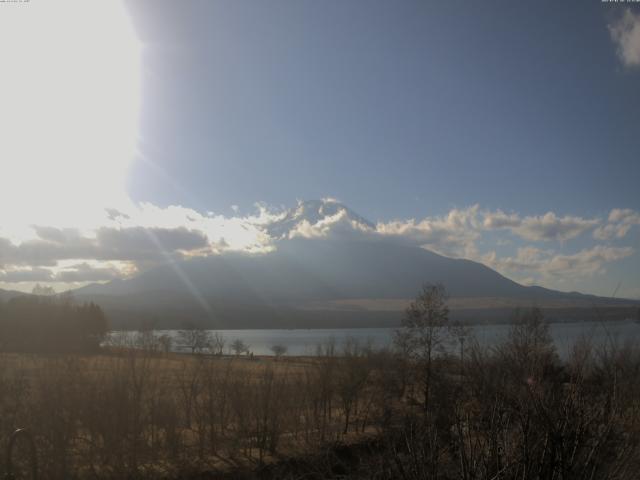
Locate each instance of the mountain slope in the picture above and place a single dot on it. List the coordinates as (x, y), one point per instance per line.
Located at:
(318, 270)
(6, 295)
(308, 278)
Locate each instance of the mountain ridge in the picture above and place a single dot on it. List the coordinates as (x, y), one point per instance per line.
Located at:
(310, 276)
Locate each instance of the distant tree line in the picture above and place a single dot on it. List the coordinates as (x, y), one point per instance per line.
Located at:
(50, 324)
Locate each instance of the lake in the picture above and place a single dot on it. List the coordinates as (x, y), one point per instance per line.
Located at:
(305, 341)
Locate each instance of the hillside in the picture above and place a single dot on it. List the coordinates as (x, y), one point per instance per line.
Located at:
(342, 280)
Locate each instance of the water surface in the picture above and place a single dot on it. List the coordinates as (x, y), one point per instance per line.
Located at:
(305, 341)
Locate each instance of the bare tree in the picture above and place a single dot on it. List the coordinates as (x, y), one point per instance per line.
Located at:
(146, 340)
(461, 333)
(217, 343)
(529, 346)
(424, 331)
(239, 347)
(279, 350)
(351, 378)
(197, 339)
(165, 342)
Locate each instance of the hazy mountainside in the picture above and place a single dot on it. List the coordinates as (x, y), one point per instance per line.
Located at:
(288, 286)
(320, 270)
(9, 294)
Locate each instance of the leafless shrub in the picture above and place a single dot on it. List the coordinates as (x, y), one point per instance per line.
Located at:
(279, 350)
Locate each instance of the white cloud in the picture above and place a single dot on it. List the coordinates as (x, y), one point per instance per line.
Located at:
(235, 233)
(130, 239)
(456, 233)
(321, 229)
(84, 272)
(135, 244)
(453, 234)
(625, 32)
(499, 219)
(619, 223)
(26, 275)
(586, 262)
(338, 224)
(314, 219)
(546, 264)
(136, 238)
(551, 227)
(539, 228)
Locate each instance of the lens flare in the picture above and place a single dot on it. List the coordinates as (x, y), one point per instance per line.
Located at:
(70, 101)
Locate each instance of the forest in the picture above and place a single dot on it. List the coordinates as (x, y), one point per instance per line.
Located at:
(33, 323)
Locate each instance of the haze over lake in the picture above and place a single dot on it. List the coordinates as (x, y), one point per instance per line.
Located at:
(305, 341)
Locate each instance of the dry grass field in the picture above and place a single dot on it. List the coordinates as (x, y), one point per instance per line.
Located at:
(133, 413)
(512, 411)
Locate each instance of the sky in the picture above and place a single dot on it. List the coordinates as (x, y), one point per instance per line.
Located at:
(503, 132)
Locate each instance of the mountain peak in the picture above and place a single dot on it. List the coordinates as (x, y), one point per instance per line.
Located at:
(314, 212)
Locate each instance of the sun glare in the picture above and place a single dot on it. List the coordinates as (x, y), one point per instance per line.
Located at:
(69, 107)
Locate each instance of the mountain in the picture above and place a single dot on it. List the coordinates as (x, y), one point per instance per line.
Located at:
(304, 270)
(314, 212)
(6, 295)
(349, 280)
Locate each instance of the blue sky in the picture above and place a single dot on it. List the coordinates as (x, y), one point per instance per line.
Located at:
(397, 108)
(505, 132)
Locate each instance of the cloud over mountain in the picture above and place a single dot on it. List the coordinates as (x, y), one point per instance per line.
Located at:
(543, 227)
(135, 244)
(548, 265)
(453, 234)
(128, 242)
